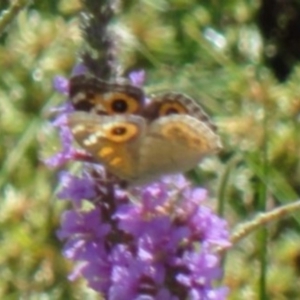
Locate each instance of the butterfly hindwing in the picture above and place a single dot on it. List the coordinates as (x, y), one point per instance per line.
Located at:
(176, 103)
(91, 94)
(175, 144)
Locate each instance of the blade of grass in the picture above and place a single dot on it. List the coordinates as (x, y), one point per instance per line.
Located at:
(18, 151)
(223, 184)
(8, 15)
(277, 184)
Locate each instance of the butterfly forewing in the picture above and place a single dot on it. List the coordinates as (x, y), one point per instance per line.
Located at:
(112, 141)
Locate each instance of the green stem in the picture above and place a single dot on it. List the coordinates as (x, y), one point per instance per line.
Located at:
(263, 234)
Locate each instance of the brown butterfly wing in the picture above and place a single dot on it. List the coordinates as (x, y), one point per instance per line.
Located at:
(175, 144)
(113, 141)
(91, 94)
(176, 103)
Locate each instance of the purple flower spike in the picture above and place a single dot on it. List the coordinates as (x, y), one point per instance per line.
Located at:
(153, 248)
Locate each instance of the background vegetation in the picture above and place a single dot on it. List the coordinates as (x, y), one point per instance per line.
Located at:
(240, 58)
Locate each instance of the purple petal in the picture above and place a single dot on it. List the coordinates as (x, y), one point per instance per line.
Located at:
(61, 84)
(76, 189)
(79, 69)
(137, 77)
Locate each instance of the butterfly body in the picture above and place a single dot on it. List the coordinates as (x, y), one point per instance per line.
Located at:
(170, 135)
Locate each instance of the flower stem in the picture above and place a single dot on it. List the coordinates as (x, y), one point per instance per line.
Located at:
(100, 54)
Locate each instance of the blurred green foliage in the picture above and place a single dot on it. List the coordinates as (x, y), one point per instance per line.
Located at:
(213, 51)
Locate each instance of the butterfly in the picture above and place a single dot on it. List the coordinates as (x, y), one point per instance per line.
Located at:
(170, 134)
